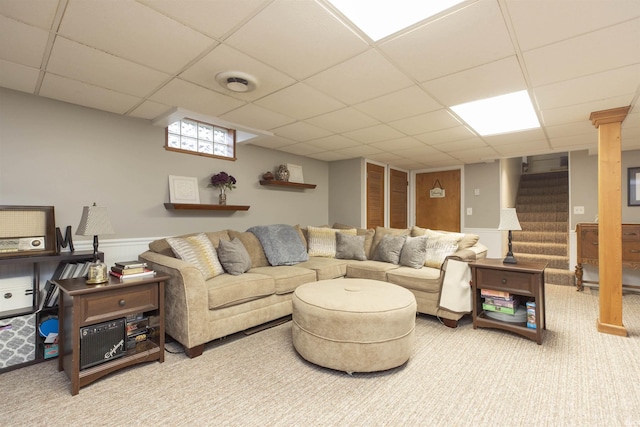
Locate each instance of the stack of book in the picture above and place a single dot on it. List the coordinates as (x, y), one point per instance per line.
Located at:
(137, 329)
(131, 270)
(499, 301)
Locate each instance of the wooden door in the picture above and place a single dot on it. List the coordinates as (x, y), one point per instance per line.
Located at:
(398, 187)
(375, 195)
(438, 213)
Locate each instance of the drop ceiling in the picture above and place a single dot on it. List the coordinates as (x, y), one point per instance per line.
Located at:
(324, 89)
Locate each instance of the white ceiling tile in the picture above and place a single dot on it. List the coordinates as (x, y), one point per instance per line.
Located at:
(179, 93)
(359, 151)
(76, 61)
(364, 77)
(399, 104)
(591, 53)
(614, 83)
(299, 38)
(460, 145)
(142, 35)
(213, 18)
(301, 131)
(435, 120)
(21, 43)
(18, 77)
(580, 112)
(334, 142)
(486, 81)
(302, 149)
(475, 155)
(78, 93)
(584, 127)
(300, 101)
(469, 37)
(575, 142)
(561, 20)
(257, 117)
(329, 156)
(530, 149)
(150, 110)
(374, 134)
(424, 151)
(385, 157)
(225, 59)
(39, 13)
(403, 143)
(343, 120)
(445, 135)
(273, 142)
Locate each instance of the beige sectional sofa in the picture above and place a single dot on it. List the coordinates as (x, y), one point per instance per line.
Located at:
(226, 283)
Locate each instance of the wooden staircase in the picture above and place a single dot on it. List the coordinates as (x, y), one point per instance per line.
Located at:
(542, 205)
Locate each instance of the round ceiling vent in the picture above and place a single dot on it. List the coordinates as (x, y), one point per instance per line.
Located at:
(236, 81)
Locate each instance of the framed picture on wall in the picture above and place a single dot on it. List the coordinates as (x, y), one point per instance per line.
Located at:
(634, 186)
(183, 189)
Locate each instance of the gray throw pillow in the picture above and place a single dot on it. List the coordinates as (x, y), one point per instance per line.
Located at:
(389, 249)
(350, 247)
(234, 257)
(414, 252)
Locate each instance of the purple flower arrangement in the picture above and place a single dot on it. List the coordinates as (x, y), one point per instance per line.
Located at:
(223, 180)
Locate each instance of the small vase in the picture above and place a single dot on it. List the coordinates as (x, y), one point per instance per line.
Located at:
(282, 174)
(222, 198)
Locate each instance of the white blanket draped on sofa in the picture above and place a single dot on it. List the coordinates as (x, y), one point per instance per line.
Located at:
(456, 290)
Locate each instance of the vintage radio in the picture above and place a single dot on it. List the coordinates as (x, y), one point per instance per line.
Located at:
(102, 342)
(27, 230)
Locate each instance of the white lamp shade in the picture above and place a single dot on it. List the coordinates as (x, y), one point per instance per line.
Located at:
(509, 219)
(94, 221)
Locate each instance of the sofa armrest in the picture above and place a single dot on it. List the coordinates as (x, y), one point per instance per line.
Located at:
(185, 298)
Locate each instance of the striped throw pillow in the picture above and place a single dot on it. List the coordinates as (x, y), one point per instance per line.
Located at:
(199, 251)
(322, 240)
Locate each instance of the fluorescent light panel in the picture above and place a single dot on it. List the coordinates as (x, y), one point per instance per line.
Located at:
(380, 18)
(512, 112)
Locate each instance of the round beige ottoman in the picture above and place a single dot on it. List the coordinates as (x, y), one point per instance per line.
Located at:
(354, 325)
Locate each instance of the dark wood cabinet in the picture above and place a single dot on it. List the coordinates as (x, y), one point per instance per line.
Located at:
(524, 279)
(84, 305)
(587, 249)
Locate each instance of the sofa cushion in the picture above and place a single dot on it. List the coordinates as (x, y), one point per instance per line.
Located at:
(253, 247)
(383, 231)
(350, 247)
(199, 251)
(438, 248)
(286, 277)
(227, 290)
(325, 268)
(322, 241)
(425, 279)
(467, 240)
(281, 244)
(389, 249)
(161, 246)
(375, 270)
(414, 252)
(234, 257)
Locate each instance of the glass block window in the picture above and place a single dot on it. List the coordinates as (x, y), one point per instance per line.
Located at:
(203, 139)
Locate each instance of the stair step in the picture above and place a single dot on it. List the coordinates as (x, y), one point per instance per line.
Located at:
(524, 217)
(545, 226)
(557, 249)
(535, 208)
(541, 236)
(540, 199)
(558, 276)
(553, 261)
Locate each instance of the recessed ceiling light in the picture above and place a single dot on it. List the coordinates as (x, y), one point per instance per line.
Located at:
(237, 81)
(512, 112)
(379, 18)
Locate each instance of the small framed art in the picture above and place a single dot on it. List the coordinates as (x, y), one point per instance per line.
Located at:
(634, 186)
(295, 173)
(183, 189)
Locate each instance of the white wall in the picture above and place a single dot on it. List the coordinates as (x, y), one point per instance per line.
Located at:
(54, 153)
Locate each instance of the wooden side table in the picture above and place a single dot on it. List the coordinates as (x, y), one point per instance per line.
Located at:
(83, 305)
(524, 278)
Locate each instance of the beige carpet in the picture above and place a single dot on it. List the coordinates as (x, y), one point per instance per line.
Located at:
(456, 377)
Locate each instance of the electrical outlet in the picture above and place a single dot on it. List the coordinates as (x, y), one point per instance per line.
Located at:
(578, 210)
(469, 211)
(476, 192)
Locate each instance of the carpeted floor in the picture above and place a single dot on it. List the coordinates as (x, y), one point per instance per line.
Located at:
(456, 377)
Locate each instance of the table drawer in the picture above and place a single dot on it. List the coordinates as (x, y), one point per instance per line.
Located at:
(630, 233)
(509, 281)
(108, 305)
(631, 251)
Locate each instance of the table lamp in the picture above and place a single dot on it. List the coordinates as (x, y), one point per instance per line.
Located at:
(95, 221)
(509, 221)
